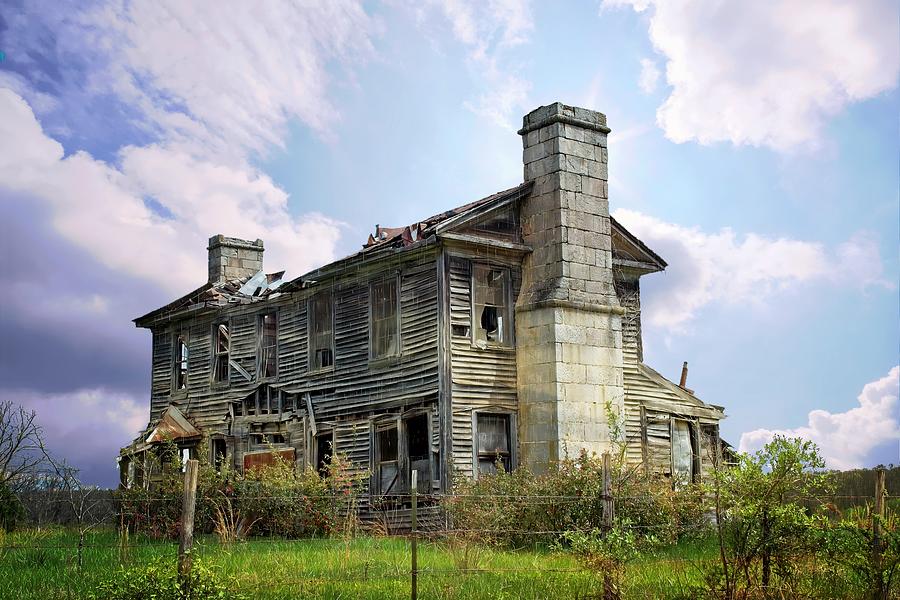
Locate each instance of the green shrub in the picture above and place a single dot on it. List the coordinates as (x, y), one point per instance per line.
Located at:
(159, 581)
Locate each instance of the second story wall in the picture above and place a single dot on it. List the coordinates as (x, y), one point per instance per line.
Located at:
(353, 383)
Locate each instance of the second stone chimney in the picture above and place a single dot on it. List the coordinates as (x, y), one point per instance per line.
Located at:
(568, 318)
(233, 258)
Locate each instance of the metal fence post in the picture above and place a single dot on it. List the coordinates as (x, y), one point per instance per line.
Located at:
(187, 520)
(414, 488)
(879, 590)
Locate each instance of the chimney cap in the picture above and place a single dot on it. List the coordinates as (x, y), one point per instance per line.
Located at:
(562, 113)
(232, 242)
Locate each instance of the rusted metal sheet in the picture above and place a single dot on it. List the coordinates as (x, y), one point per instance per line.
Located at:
(253, 460)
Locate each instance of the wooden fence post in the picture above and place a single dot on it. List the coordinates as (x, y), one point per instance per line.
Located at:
(878, 592)
(608, 508)
(187, 520)
(414, 488)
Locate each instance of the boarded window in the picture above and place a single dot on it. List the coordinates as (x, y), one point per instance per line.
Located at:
(491, 303)
(494, 445)
(682, 452)
(321, 331)
(268, 345)
(221, 352)
(385, 325)
(181, 362)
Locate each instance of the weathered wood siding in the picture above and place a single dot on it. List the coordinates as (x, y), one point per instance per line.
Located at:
(481, 378)
(344, 396)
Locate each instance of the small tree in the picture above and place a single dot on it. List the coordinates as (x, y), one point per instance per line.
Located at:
(22, 450)
(761, 520)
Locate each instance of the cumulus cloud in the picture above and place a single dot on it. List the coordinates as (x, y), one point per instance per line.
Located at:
(847, 439)
(768, 73)
(649, 76)
(102, 208)
(724, 267)
(86, 426)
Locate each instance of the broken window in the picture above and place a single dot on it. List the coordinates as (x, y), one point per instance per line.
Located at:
(385, 319)
(221, 351)
(493, 443)
(268, 345)
(266, 439)
(491, 304)
(324, 450)
(181, 362)
(321, 331)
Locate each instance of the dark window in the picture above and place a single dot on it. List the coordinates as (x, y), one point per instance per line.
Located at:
(491, 314)
(268, 345)
(219, 452)
(221, 351)
(385, 326)
(181, 362)
(419, 448)
(493, 442)
(324, 450)
(321, 331)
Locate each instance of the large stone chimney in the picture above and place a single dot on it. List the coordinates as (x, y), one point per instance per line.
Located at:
(233, 258)
(568, 319)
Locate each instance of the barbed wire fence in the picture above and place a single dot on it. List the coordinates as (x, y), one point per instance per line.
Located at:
(411, 518)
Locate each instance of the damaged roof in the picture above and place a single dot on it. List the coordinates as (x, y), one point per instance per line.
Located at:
(628, 251)
(212, 295)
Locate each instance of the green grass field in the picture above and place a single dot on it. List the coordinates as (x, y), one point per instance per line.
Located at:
(44, 565)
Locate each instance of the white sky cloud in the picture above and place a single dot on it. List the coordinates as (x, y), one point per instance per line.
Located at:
(649, 76)
(725, 267)
(769, 73)
(846, 439)
(101, 208)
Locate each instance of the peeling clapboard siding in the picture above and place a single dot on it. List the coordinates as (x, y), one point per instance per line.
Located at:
(481, 378)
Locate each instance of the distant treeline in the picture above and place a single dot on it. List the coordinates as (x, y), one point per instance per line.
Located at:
(856, 487)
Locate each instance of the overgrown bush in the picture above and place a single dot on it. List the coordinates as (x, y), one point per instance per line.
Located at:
(519, 508)
(282, 499)
(159, 581)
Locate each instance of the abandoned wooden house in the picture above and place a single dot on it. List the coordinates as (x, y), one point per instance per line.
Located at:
(499, 332)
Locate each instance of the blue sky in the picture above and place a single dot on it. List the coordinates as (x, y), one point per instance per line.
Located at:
(754, 146)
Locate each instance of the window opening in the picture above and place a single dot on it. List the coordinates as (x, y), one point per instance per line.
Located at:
(385, 324)
(219, 452)
(493, 442)
(324, 450)
(221, 349)
(387, 455)
(491, 299)
(181, 362)
(268, 357)
(418, 446)
(321, 331)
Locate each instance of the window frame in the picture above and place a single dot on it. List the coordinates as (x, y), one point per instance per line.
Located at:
(310, 356)
(512, 435)
(179, 339)
(397, 319)
(693, 442)
(509, 309)
(214, 354)
(260, 333)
